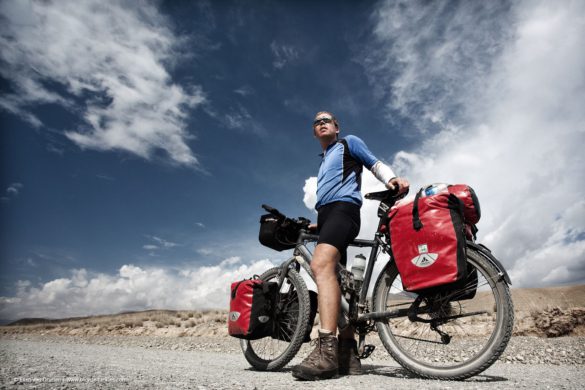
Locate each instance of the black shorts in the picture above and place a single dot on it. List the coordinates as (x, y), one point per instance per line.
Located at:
(338, 224)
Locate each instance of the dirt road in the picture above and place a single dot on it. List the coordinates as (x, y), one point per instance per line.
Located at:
(64, 364)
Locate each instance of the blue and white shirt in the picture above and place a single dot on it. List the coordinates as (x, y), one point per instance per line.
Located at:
(340, 172)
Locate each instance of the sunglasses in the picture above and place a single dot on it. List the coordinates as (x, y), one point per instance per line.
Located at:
(322, 120)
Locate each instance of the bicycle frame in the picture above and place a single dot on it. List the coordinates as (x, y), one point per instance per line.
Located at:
(302, 256)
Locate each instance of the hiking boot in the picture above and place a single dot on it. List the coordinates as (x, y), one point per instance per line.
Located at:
(349, 364)
(322, 362)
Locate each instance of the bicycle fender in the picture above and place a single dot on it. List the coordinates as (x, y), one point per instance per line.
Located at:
(485, 252)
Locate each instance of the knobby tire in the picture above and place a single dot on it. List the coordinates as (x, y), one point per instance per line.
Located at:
(419, 349)
(270, 354)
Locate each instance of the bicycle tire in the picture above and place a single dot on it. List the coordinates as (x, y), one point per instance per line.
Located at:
(425, 353)
(271, 354)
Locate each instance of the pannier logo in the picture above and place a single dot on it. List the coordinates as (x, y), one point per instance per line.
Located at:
(424, 259)
(234, 315)
(263, 319)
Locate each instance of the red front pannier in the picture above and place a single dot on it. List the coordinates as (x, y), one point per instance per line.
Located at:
(251, 314)
(427, 236)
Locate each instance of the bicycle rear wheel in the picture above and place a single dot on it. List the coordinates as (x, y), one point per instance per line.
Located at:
(468, 334)
(291, 322)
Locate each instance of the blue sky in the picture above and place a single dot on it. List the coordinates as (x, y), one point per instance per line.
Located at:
(138, 141)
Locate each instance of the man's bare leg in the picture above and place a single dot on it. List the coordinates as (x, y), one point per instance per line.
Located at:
(323, 266)
(323, 362)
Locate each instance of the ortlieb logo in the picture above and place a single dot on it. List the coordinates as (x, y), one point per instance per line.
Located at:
(263, 319)
(424, 259)
(234, 315)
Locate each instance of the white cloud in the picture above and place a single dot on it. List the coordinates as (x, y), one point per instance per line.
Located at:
(245, 90)
(164, 243)
(310, 190)
(132, 288)
(239, 118)
(427, 57)
(283, 54)
(517, 140)
(107, 62)
(12, 191)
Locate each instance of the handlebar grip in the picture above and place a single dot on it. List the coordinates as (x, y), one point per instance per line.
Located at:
(273, 211)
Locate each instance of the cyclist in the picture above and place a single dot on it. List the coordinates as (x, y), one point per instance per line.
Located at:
(338, 223)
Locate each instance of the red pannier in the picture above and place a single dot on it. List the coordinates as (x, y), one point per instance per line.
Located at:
(471, 209)
(427, 236)
(251, 314)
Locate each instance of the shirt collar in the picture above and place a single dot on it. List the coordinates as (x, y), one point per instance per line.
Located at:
(322, 154)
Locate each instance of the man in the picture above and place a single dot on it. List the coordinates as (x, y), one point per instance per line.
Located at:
(338, 205)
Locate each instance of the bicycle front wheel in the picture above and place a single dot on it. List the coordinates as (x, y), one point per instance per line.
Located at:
(466, 336)
(291, 322)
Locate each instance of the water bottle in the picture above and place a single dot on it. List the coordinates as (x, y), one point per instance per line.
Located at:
(357, 269)
(434, 189)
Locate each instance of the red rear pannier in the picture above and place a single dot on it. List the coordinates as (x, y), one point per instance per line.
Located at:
(251, 314)
(428, 240)
(466, 194)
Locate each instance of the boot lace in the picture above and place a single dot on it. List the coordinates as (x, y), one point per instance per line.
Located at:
(315, 356)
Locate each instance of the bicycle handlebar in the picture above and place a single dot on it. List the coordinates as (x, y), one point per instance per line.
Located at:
(274, 211)
(301, 222)
(387, 196)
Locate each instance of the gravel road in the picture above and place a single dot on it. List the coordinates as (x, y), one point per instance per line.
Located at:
(36, 361)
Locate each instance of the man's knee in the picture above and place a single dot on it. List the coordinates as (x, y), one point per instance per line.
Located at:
(324, 260)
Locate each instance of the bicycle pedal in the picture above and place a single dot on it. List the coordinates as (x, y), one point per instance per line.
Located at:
(368, 349)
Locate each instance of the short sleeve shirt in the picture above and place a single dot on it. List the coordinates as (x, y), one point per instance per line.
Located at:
(339, 177)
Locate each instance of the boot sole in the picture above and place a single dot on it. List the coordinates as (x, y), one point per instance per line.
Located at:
(308, 376)
(350, 372)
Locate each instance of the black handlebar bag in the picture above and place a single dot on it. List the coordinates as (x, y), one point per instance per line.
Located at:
(273, 234)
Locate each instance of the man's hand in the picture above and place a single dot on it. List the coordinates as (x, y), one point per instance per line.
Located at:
(399, 182)
(313, 228)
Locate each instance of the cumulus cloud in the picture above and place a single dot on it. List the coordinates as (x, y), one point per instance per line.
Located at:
(107, 62)
(517, 140)
(310, 191)
(132, 288)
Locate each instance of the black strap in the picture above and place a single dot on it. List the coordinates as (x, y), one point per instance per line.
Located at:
(236, 288)
(416, 222)
(240, 282)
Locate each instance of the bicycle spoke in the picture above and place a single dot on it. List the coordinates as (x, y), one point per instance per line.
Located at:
(462, 328)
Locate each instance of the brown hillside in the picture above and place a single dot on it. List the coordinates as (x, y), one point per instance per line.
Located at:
(544, 312)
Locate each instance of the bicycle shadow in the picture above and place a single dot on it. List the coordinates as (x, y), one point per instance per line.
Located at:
(401, 373)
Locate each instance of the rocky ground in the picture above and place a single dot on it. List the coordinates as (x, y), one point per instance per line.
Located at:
(104, 362)
(191, 349)
(520, 350)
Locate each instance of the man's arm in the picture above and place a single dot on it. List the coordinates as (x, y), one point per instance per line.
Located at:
(381, 171)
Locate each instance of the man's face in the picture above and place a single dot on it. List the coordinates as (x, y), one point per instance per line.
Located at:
(324, 127)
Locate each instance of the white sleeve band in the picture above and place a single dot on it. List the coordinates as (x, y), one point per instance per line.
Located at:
(382, 172)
